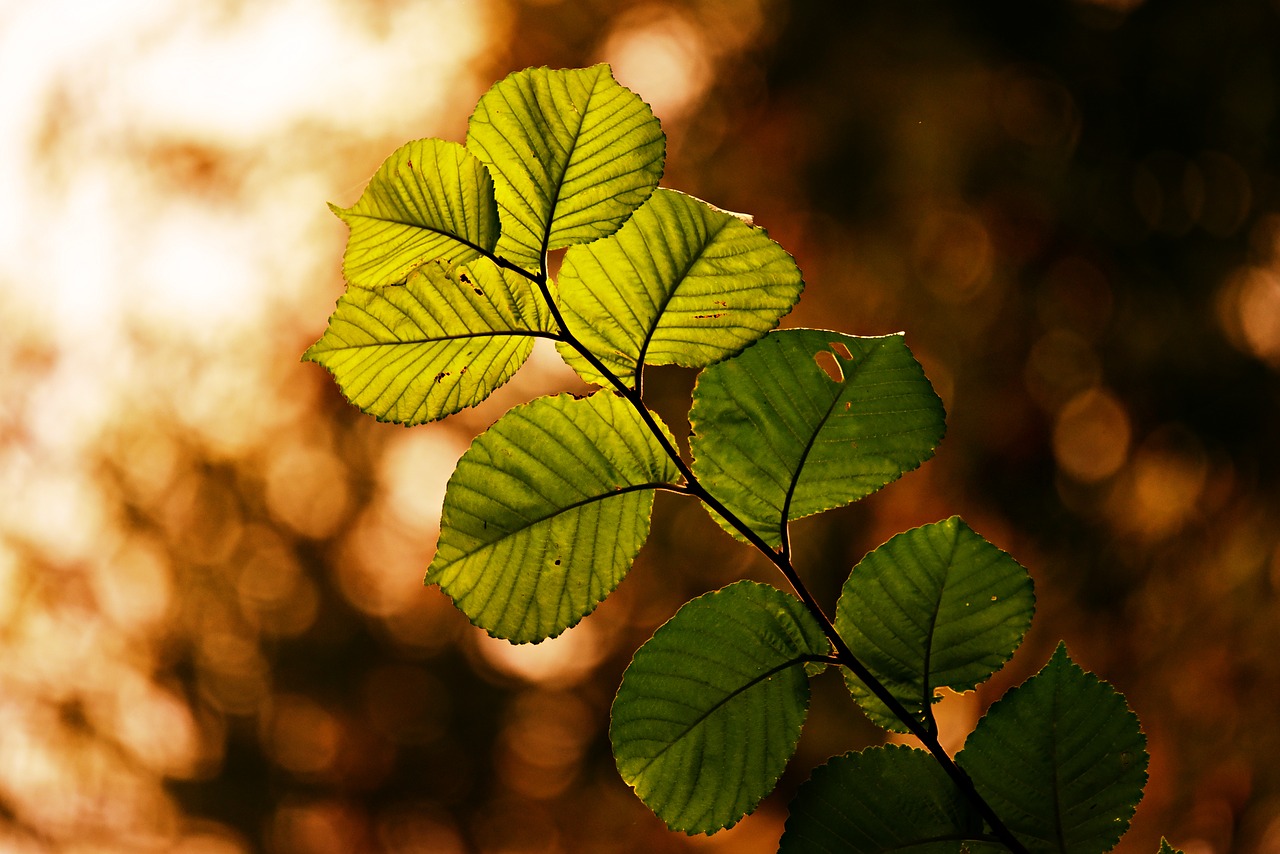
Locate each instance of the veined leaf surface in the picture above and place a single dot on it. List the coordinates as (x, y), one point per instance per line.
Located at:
(1061, 760)
(805, 420)
(883, 799)
(545, 513)
(572, 154)
(430, 199)
(711, 707)
(441, 342)
(936, 606)
(682, 283)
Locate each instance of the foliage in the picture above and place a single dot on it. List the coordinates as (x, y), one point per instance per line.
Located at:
(448, 287)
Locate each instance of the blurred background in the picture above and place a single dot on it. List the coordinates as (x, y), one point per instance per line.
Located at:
(214, 636)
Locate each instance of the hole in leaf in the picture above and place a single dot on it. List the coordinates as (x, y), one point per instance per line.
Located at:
(557, 561)
(841, 350)
(827, 361)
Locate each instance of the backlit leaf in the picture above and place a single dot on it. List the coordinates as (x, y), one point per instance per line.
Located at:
(682, 283)
(936, 606)
(711, 707)
(430, 199)
(805, 420)
(1061, 760)
(883, 799)
(572, 154)
(545, 513)
(442, 341)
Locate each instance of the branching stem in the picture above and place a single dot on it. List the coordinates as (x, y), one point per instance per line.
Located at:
(781, 558)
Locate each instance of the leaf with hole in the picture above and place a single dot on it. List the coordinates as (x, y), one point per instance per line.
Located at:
(572, 153)
(711, 707)
(441, 342)
(937, 606)
(545, 513)
(805, 420)
(1061, 760)
(682, 283)
(890, 798)
(429, 200)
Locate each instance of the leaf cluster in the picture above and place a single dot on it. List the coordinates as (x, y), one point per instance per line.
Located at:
(547, 510)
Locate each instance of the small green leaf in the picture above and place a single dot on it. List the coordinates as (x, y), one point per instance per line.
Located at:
(545, 513)
(805, 420)
(1061, 760)
(441, 342)
(711, 707)
(936, 606)
(682, 283)
(1166, 848)
(572, 154)
(430, 199)
(891, 798)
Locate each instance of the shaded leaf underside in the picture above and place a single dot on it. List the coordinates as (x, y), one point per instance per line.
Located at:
(936, 606)
(805, 420)
(711, 708)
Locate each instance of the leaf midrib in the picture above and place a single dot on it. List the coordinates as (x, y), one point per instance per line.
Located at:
(849, 377)
(490, 544)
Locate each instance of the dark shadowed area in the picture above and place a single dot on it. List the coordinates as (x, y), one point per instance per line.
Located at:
(214, 636)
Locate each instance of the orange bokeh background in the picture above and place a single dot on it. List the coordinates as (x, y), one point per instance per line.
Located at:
(213, 631)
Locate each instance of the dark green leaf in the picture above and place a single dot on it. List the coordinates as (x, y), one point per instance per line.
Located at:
(711, 708)
(1166, 848)
(805, 420)
(442, 341)
(572, 154)
(545, 513)
(1061, 759)
(430, 199)
(936, 606)
(682, 283)
(882, 799)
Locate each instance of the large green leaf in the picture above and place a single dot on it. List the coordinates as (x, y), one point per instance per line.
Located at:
(805, 420)
(711, 707)
(883, 799)
(1061, 760)
(545, 513)
(442, 341)
(430, 199)
(572, 154)
(936, 606)
(682, 283)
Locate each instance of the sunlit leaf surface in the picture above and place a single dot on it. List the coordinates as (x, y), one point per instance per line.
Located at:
(546, 512)
(936, 606)
(806, 419)
(442, 341)
(891, 798)
(1061, 759)
(681, 283)
(711, 708)
(429, 199)
(572, 154)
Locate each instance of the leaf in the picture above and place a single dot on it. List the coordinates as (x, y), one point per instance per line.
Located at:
(805, 420)
(572, 154)
(936, 606)
(711, 707)
(890, 798)
(545, 513)
(1061, 760)
(682, 283)
(430, 199)
(441, 342)
(1166, 848)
